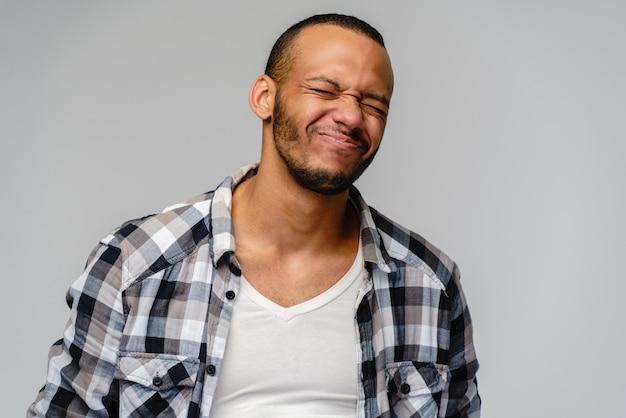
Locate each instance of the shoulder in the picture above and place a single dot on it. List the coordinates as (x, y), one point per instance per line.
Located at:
(410, 250)
(156, 241)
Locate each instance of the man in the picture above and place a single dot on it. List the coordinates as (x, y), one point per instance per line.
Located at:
(281, 293)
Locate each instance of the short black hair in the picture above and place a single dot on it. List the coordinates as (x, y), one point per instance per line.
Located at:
(281, 56)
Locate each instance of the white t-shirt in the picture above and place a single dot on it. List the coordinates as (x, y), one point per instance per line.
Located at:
(292, 362)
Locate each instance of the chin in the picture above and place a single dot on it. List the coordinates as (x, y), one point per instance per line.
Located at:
(323, 181)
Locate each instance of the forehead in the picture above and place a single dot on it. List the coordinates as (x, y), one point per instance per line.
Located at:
(343, 54)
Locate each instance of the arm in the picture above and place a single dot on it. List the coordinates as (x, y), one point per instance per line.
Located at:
(461, 400)
(81, 366)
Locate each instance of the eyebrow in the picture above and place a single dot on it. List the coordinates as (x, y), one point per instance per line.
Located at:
(336, 85)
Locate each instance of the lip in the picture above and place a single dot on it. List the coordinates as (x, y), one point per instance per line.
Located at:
(340, 140)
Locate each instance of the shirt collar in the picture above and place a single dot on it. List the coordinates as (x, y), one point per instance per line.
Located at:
(371, 242)
(222, 235)
(222, 239)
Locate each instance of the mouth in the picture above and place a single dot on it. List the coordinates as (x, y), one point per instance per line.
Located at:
(351, 140)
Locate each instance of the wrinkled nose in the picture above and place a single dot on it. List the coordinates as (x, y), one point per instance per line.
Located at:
(348, 112)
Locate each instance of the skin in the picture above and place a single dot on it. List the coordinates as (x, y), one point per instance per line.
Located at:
(296, 233)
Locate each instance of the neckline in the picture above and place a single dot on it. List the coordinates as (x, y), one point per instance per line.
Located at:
(324, 298)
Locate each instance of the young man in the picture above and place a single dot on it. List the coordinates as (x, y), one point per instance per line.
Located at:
(281, 293)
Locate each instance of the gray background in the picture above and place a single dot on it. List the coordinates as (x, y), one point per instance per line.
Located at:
(504, 148)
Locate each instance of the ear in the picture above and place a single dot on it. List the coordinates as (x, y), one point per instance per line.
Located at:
(262, 96)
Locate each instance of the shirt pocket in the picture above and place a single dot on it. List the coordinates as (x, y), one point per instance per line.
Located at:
(155, 385)
(414, 388)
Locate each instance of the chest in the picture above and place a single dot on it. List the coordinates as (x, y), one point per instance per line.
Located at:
(288, 281)
(306, 352)
(173, 306)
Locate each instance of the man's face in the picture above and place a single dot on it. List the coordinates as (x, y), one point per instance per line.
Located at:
(330, 112)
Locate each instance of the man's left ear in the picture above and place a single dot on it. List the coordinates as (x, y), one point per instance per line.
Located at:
(261, 96)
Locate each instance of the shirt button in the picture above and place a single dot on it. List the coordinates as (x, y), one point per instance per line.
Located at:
(210, 369)
(230, 295)
(405, 388)
(157, 381)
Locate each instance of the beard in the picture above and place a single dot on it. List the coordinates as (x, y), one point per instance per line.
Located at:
(316, 179)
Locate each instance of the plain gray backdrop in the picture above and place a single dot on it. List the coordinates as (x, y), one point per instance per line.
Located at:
(504, 147)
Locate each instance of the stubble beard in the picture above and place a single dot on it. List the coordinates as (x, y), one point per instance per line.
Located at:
(318, 180)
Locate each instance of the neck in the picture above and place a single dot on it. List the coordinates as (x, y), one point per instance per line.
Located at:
(272, 212)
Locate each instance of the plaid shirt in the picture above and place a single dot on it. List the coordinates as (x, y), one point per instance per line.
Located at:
(150, 316)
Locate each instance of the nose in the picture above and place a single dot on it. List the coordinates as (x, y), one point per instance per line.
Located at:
(348, 112)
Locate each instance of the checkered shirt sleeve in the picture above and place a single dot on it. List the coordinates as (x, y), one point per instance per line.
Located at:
(81, 367)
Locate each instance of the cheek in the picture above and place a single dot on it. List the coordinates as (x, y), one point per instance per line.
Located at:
(303, 116)
(315, 114)
(375, 131)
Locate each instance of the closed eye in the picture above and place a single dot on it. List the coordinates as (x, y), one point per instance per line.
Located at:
(376, 110)
(324, 93)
